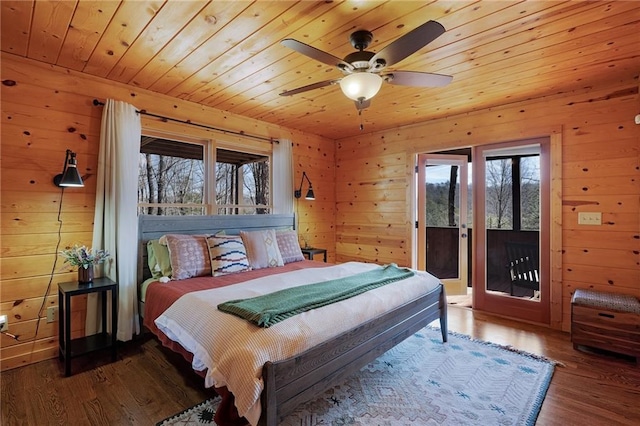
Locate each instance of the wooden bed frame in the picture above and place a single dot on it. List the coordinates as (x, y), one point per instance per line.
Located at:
(293, 381)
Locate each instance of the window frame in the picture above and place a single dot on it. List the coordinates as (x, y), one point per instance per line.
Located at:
(210, 147)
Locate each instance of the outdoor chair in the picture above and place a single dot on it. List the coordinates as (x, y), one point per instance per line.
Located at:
(523, 265)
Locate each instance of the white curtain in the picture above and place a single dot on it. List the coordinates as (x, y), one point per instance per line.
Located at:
(115, 226)
(283, 177)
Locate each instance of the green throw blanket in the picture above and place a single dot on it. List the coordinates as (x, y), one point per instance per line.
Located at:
(272, 308)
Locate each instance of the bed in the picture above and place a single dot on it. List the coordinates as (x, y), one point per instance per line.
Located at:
(323, 362)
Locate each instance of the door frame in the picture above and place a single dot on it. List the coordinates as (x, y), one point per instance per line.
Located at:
(454, 286)
(524, 309)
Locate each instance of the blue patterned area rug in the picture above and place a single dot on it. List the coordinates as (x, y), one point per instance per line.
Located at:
(423, 381)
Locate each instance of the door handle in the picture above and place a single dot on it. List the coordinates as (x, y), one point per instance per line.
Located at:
(463, 235)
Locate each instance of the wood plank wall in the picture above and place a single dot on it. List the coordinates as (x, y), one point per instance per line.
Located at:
(47, 110)
(600, 172)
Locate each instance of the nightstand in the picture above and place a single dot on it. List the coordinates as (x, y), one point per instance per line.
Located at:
(71, 348)
(309, 251)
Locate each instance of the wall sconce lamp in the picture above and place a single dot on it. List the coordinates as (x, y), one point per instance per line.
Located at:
(69, 175)
(298, 192)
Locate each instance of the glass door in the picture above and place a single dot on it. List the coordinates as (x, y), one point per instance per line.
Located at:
(511, 240)
(442, 219)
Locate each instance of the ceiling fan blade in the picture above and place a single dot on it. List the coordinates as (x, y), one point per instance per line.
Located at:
(417, 79)
(408, 44)
(309, 87)
(317, 54)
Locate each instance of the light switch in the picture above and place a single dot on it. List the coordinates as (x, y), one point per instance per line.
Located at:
(589, 218)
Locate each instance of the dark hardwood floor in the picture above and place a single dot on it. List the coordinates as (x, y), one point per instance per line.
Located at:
(148, 383)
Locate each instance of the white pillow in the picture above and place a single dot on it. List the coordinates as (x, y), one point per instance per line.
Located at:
(262, 249)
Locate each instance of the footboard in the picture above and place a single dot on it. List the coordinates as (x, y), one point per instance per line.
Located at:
(291, 382)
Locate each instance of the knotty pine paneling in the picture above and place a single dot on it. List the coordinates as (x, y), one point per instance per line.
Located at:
(614, 258)
(49, 26)
(601, 167)
(49, 110)
(600, 172)
(15, 20)
(227, 55)
(29, 308)
(319, 165)
(30, 225)
(615, 239)
(595, 276)
(30, 287)
(128, 21)
(625, 185)
(613, 203)
(85, 30)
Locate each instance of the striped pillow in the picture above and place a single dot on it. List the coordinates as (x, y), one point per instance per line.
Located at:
(227, 254)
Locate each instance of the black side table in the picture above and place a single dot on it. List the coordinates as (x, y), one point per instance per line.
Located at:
(71, 348)
(310, 251)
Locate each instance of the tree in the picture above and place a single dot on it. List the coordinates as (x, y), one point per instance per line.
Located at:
(441, 207)
(166, 179)
(150, 182)
(437, 208)
(258, 175)
(499, 193)
(453, 178)
(530, 192)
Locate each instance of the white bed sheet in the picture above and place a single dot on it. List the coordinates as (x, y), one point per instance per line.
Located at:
(233, 350)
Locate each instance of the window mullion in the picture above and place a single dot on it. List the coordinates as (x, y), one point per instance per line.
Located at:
(515, 193)
(210, 182)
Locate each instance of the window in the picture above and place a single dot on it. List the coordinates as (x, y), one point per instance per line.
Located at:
(173, 179)
(242, 182)
(498, 194)
(513, 192)
(443, 187)
(530, 193)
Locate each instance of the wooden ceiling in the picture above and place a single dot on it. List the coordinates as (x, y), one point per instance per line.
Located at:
(227, 54)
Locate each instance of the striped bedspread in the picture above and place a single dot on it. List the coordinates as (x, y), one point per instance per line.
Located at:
(233, 350)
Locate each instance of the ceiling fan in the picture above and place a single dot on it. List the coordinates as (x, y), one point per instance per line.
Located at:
(363, 70)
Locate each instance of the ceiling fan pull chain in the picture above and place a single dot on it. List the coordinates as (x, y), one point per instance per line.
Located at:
(361, 125)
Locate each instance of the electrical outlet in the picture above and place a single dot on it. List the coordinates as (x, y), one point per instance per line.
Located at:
(52, 314)
(589, 218)
(4, 323)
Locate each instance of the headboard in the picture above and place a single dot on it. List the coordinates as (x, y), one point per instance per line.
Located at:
(151, 227)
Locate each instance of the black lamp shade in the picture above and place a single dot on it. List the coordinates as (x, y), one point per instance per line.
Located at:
(310, 195)
(69, 176)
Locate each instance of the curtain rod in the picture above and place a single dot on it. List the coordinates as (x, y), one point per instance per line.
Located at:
(96, 102)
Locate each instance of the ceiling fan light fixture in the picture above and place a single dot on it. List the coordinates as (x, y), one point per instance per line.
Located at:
(361, 85)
